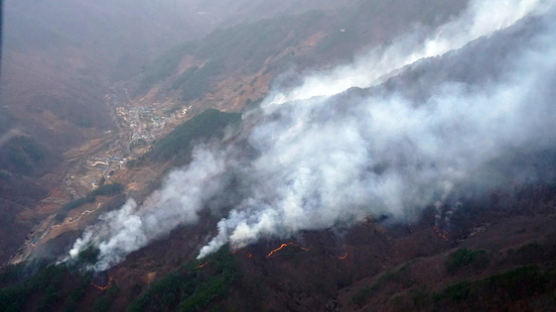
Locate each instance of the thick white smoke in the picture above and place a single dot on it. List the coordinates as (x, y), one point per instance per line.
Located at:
(131, 227)
(482, 18)
(322, 163)
(335, 159)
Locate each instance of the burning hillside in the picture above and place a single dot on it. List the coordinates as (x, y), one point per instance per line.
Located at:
(320, 156)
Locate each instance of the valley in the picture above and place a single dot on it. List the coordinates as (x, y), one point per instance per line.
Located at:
(100, 161)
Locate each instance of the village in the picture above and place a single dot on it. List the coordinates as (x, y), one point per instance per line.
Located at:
(139, 126)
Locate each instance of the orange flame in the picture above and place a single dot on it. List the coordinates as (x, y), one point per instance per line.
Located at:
(105, 287)
(202, 265)
(440, 234)
(284, 245)
(272, 252)
(344, 256)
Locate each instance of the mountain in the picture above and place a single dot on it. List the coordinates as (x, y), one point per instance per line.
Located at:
(355, 156)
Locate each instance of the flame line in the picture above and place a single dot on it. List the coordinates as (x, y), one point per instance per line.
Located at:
(202, 265)
(103, 288)
(440, 234)
(284, 245)
(344, 256)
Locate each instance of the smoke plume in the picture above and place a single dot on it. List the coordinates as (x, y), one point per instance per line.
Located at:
(131, 227)
(482, 18)
(321, 156)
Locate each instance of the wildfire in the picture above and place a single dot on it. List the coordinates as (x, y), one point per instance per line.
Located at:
(202, 265)
(440, 234)
(284, 245)
(344, 256)
(105, 287)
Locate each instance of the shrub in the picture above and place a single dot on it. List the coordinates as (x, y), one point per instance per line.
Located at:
(108, 190)
(11, 273)
(180, 142)
(103, 190)
(465, 257)
(23, 155)
(89, 255)
(458, 292)
(77, 293)
(529, 252)
(396, 276)
(165, 65)
(195, 82)
(104, 302)
(190, 289)
(46, 282)
(520, 283)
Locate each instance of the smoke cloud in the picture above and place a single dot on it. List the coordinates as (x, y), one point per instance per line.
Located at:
(131, 227)
(321, 156)
(482, 18)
